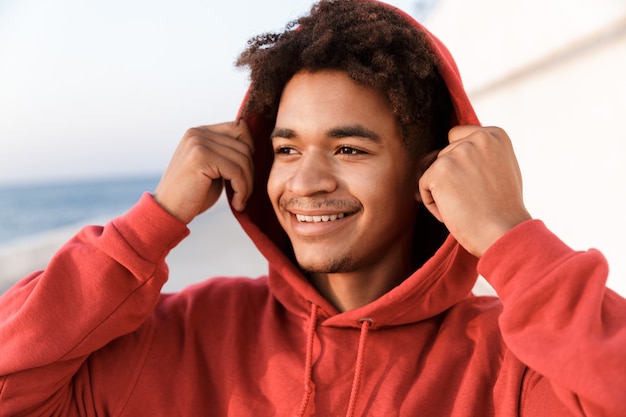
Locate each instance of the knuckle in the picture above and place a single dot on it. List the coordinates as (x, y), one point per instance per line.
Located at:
(445, 165)
(195, 144)
(193, 134)
(498, 134)
(497, 131)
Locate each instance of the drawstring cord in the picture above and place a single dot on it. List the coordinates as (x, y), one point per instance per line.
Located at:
(366, 323)
(308, 364)
(358, 369)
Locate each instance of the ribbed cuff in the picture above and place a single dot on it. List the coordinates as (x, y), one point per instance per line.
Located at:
(150, 230)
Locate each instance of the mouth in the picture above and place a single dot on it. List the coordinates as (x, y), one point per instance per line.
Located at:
(327, 211)
(323, 218)
(318, 225)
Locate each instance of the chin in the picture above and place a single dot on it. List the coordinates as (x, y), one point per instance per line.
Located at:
(326, 265)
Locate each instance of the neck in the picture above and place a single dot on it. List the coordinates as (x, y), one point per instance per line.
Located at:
(350, 290)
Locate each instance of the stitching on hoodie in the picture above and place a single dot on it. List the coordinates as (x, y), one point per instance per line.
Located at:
(528, 383)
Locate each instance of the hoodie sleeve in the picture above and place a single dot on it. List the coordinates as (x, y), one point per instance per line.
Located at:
(561, 321)
(101, 285)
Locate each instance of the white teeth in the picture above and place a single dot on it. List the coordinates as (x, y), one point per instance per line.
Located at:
(317, 219)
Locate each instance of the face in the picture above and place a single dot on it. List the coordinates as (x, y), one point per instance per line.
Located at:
(342, 183)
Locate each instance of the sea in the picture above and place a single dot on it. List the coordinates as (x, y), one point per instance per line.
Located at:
(30, 210)
(37, 219)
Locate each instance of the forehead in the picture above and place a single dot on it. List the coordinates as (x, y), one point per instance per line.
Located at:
(332, 97)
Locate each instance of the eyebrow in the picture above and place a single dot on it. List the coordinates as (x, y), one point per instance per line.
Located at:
(283, 133)
(357, 131)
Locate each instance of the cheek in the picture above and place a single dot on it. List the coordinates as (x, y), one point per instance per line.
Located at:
(395, 169)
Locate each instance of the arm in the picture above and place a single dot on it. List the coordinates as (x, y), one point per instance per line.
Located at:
(559, 318)
(105, 282)
(99, 286)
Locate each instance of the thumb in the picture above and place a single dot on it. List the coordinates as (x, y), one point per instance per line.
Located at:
(424, 193)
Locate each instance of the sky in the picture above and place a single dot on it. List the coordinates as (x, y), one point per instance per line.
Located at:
(107, 88)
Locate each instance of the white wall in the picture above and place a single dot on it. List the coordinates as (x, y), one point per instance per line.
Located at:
(562, 100)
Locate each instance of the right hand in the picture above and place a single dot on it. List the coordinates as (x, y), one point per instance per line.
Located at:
(474, 187)
(205, 157)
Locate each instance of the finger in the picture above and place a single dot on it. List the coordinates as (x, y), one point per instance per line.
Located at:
(229, 149)
(218, 140)
(461, 132)
(245, 135)
(234, 166)
(425, 187)
(422, 165)
(430, 203)
(232, 130)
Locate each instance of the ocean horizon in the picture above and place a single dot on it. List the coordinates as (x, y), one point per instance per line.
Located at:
(36, 219)
(32, 209)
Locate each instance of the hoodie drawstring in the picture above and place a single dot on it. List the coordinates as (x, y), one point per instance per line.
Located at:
(358, 368)
(365, 323)
(308, 362)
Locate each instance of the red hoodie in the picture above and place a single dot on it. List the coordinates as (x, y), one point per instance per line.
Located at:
(92, 335)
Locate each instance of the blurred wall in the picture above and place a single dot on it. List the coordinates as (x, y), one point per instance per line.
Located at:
(553, 75)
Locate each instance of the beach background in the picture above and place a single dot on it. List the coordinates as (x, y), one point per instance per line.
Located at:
(36, 220)
(94, 97)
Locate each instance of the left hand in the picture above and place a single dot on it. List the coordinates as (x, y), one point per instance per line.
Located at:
(474, 187)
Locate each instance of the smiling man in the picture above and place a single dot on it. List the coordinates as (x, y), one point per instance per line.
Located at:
(360, 171)
(339, 153)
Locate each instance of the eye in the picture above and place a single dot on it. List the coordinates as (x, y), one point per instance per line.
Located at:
(349, 150)
(284, 150)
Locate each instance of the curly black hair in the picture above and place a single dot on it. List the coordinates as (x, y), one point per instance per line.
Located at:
(373, 45)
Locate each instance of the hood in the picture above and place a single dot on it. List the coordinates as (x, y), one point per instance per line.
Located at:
(448, 272)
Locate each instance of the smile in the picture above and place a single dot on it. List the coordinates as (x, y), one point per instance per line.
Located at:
(316, 219)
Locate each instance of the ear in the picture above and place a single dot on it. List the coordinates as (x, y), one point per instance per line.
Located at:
(422, 165)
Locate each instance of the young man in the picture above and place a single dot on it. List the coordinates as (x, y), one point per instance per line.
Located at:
(355, 153)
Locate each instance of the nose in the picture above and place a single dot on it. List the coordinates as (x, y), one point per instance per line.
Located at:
(312, 174)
